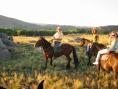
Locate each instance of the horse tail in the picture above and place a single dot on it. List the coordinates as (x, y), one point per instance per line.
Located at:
(75, 58)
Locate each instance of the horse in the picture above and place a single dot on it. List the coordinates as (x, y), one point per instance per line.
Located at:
(2, 87)
(66, 50)
(93, 50)
(40, 86)
(108, 61)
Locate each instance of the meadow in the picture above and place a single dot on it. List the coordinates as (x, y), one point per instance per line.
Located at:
(26, 68)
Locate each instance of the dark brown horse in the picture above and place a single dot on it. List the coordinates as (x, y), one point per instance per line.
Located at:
(108, 61)
(93, 50)
(40, 86)
(66, 50)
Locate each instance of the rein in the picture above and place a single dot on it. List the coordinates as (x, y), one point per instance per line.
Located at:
(86, 41)
(47, 47)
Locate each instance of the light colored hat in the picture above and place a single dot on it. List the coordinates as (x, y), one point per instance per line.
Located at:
(94, 31)
(113, 34)
(59, 28)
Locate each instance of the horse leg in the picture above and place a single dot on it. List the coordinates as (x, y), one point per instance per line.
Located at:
(75, 58)
(46, 63)
(89, 58)
(68, 64)
(89, 62)
(51, 62)
(115, 74)
(98, 69)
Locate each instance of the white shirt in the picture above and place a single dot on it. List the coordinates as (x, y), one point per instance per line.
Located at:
(58, 35)
(114, 45)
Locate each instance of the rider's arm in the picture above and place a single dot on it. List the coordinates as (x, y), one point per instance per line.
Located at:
(109, 40)
(112, 45)
(58, 36)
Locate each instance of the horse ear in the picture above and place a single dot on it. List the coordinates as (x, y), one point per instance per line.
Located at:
(41, 37)
(83, 38)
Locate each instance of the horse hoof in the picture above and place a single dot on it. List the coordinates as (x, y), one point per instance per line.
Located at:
(76, 68)
(51, 64)
(54, 65)
(45, 68)
(89, 64)
(68, 67)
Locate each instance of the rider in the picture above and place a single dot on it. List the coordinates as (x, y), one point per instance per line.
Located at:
(112, 47)
(95, 38)
(57, 37)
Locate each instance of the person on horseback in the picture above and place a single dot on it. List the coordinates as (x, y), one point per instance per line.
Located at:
(95, 38)
(57, 38)
(112, 47)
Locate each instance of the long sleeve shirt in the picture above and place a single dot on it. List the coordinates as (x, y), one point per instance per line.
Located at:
(95, 38)
(58, 36)
(114, 45)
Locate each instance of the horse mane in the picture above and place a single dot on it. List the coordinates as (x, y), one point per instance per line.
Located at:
(84, 39)
(46, 42)
(99, 45)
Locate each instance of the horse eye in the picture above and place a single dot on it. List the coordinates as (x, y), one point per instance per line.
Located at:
(42, 41)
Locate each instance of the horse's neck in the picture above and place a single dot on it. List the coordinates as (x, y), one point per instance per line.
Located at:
(99, 46)
(87, 42)
(46, 45)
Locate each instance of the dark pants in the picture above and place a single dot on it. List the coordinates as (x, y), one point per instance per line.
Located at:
(57, 48)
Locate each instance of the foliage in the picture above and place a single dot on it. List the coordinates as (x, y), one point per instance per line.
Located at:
(41, 32)
(26, 69)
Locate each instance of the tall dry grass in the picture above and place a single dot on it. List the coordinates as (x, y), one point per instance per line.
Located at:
(26, 69)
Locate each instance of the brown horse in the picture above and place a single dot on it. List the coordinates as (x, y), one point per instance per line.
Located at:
(93, 50)
(66, 49)
(108, 61)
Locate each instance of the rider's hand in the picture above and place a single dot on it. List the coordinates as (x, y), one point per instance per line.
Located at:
(51, 40)
(108, 46)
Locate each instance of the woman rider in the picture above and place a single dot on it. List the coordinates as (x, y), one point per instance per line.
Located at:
(95, 38)
(112, 47)
(57, 37)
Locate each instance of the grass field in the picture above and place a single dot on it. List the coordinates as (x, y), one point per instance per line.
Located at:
(26, 69)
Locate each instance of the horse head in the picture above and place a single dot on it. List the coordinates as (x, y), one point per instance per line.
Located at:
(42, 42)
(82, 42)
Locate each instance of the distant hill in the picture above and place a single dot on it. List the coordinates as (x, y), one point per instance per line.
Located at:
(109, 28)
(7, 22)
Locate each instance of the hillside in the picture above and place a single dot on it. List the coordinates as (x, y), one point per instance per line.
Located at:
(7, 22)
(109, 28)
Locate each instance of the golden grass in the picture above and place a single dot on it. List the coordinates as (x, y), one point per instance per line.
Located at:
(15, 76)
(23, 39)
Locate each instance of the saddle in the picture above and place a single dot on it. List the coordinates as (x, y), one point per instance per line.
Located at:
(57, 47)
(110, 52)
(107, 55)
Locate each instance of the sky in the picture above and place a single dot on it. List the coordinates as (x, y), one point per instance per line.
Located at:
(62, 12)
